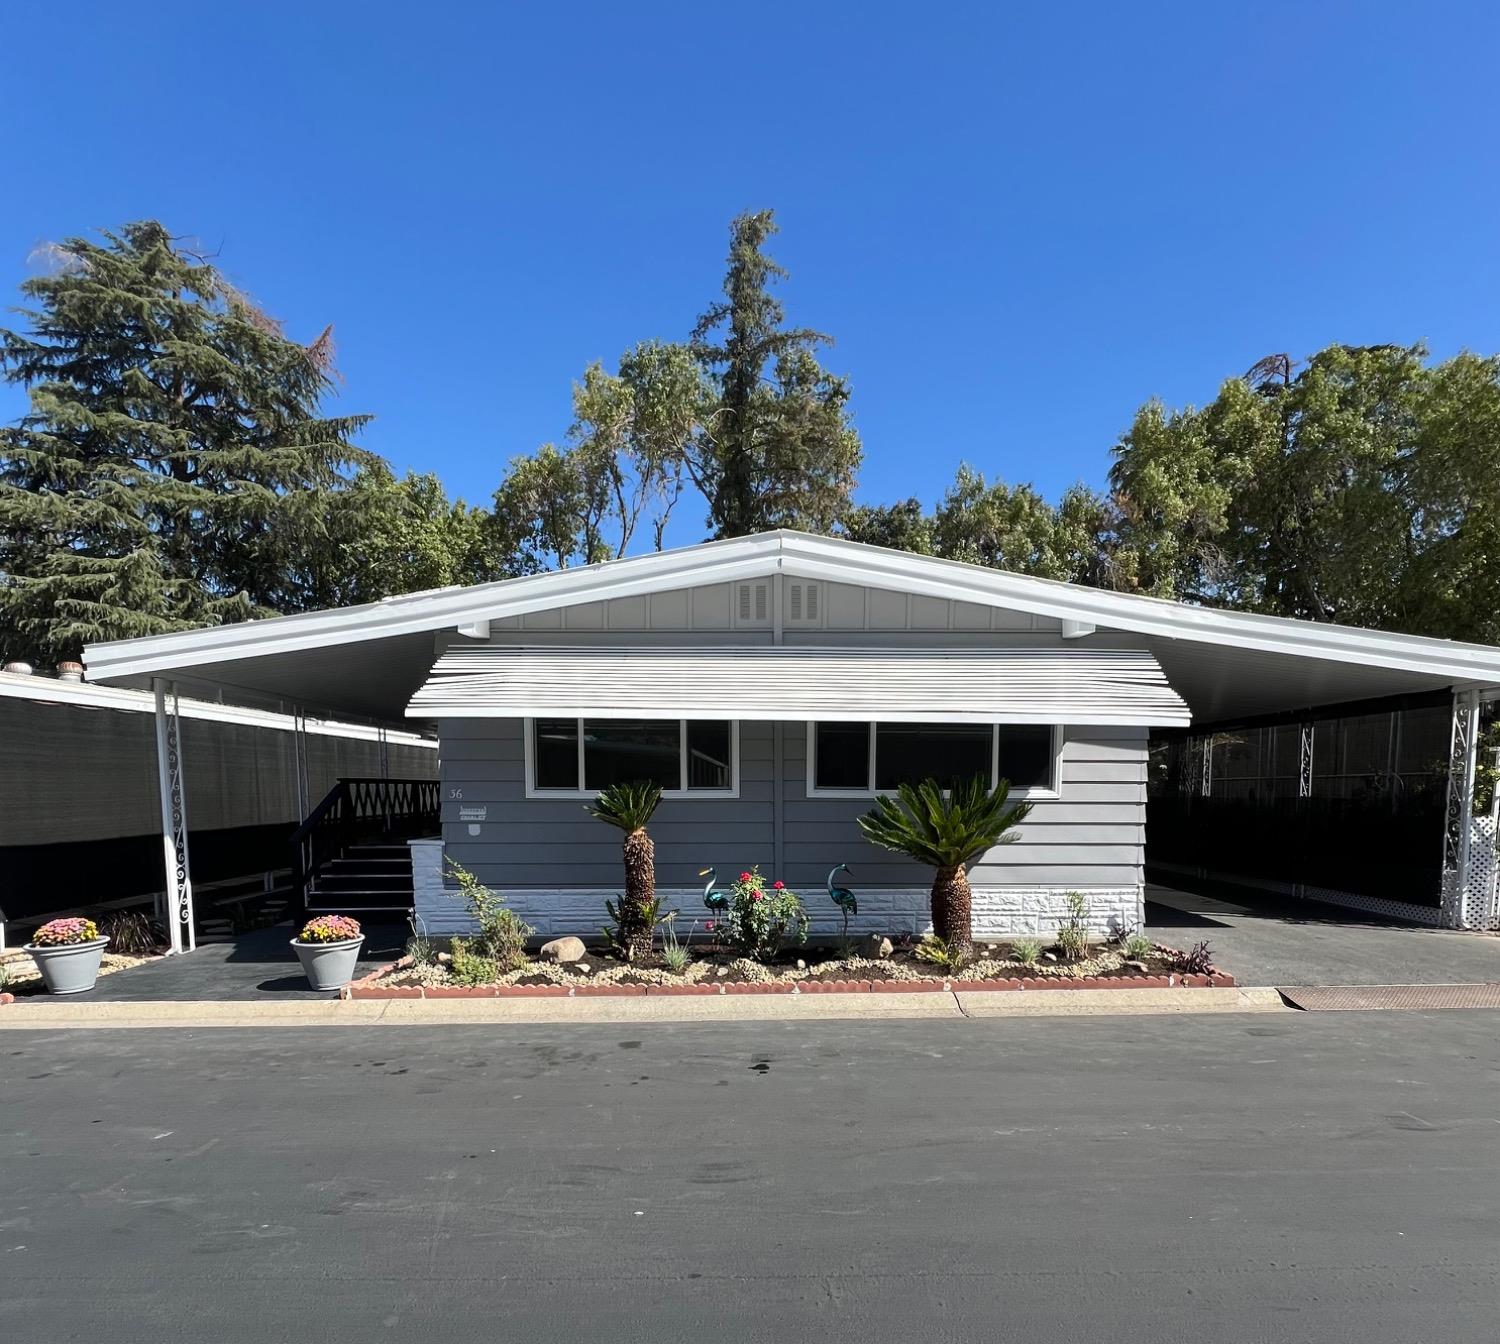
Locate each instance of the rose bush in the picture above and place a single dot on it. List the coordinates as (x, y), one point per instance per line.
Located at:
(761, 921)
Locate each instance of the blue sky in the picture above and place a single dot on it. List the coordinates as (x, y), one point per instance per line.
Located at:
(1019, 221)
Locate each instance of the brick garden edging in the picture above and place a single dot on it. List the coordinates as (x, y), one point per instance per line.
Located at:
(367, 987)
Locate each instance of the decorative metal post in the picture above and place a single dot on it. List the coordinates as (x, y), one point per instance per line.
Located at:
(299, 762)
(1305, 764)
(174, 826)
(1206, 780)
(1458, 827)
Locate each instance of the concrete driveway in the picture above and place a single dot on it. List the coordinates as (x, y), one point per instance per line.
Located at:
(1268, 940)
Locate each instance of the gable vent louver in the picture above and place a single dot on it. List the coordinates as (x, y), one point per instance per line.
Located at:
(752, 604)
(802, 603)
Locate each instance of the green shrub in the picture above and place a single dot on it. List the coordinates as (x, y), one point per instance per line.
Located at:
(1073, 937)
(1138, 947)
(674, 955)
(502, 933)
(761, 920)
(947, 956)
(1028, 951)
(1073, 942)
(618, 935)
(470, 967)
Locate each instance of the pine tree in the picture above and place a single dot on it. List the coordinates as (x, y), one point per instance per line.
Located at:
(173, 459)
(779, 450)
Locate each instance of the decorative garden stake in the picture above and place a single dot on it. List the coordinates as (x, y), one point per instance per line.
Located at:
(844, 899)
(714, 898)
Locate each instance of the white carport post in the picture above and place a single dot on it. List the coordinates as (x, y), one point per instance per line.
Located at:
(1458, 828)
(174, 828)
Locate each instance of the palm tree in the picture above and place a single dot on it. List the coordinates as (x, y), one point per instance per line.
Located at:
(630, 807)
(946, 832)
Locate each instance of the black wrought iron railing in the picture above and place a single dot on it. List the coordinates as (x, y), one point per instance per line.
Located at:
(360, 812)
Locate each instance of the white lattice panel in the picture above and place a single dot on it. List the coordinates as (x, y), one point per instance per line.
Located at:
(1479, 905)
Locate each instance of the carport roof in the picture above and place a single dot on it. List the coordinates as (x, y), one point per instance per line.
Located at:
(369, 660)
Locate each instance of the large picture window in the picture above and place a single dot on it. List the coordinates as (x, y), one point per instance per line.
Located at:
(586, 755)
(867, 758)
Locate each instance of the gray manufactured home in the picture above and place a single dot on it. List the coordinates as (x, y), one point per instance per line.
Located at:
(774, 684)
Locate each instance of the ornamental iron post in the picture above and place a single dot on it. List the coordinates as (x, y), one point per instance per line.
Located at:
(1458, 824)
(1305, 762)
(174, 825)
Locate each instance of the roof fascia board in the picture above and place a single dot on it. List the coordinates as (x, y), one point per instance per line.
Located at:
(751, 557)
(85, 695)
(809, 557)
(804, 556)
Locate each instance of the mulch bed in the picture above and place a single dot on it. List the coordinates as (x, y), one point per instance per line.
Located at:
(813, 972)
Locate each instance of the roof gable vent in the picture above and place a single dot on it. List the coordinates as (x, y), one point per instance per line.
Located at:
(752, 604)
(802, 605)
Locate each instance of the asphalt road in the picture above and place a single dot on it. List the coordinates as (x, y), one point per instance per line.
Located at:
(1324, 1177)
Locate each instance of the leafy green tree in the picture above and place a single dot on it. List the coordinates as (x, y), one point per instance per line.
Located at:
(903, 526)
(383, 535)
(778, 449)
(947, 832)
(173, 454)
(1363, 488)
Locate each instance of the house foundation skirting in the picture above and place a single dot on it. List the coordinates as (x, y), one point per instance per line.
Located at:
(998, 911)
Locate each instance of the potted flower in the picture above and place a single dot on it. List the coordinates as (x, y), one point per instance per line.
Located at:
(68, 952)
(328, 948)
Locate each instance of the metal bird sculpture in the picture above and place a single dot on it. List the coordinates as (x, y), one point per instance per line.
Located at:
(714, 898)
(843, 898)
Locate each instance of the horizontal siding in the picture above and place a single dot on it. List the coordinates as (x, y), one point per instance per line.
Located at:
(554, 842)
(1091, 836)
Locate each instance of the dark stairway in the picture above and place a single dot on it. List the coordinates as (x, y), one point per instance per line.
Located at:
(350, 855)
(366, 878)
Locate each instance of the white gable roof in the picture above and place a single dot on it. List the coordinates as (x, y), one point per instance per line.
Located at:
(800, 555)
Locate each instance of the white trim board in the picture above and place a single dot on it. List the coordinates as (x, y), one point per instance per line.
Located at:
(801, 555)
(82, 694)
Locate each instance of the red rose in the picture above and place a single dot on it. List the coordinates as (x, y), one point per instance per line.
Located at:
(756, 895)
(709, 926)
(779, 886)
(744, 877)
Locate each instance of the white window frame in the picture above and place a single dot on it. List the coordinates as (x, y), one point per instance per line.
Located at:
(528, 734)
(1052, 791)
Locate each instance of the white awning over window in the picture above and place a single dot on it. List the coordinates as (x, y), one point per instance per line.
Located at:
(1115, 686)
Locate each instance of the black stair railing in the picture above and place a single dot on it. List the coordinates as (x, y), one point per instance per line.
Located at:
(360, 812)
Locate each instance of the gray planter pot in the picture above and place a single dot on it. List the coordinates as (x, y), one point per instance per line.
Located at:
(329, 965)
(70, 969)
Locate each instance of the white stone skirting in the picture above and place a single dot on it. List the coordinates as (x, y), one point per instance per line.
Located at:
(998, 911)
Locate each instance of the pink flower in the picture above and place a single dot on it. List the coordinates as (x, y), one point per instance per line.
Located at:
(744, 877)
(756, 895)
(779, 886)
(709, 926)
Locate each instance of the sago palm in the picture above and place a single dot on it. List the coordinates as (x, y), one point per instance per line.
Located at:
(948, 833)
(630, 807)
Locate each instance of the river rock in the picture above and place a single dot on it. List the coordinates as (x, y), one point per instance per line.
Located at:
(562, 949)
